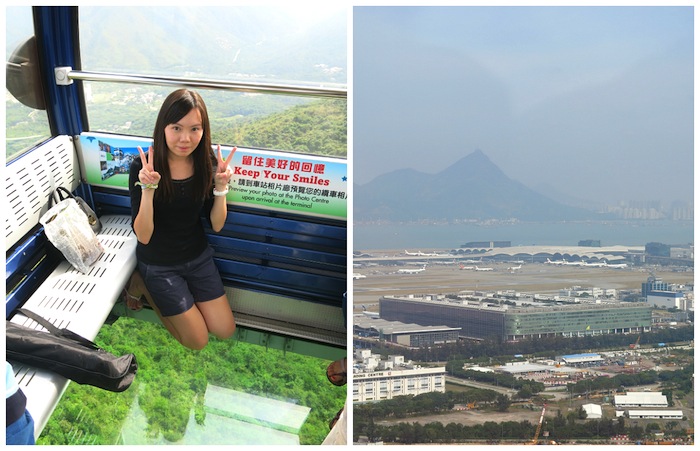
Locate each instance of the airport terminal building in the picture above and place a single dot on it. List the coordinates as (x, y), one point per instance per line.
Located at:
(480, 320)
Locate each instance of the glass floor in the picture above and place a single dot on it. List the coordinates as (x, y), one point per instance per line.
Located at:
(230, 393)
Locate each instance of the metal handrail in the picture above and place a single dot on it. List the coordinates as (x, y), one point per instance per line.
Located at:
(258, 88)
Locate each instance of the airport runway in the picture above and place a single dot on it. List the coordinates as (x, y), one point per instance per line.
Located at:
(381, 280)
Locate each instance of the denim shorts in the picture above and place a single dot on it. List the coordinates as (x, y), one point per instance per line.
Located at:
(21, 432)
(176, 288)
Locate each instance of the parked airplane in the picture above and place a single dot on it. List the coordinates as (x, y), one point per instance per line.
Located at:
(594, 264)
(368, 313)
(555, 262)
(476, 268)
(616, 265)
(423, 254)
(411, 271)
(358, 276)
(465, 267)
(515, 268)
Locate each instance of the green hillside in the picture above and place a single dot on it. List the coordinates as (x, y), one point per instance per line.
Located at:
(319, 128)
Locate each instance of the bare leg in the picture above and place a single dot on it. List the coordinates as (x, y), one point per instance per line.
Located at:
(218, 317)
(134, 290)
(188, 328)
(192, 328)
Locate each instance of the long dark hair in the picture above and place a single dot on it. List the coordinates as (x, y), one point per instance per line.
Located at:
(175, 107)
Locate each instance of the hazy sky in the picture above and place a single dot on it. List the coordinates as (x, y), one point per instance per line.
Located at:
(595, 101)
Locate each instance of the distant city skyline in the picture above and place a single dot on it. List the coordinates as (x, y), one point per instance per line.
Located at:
(591, 103)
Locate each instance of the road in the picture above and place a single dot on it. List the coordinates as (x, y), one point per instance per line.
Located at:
(468, 383)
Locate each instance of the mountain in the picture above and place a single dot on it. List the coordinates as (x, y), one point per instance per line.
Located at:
(472, 188)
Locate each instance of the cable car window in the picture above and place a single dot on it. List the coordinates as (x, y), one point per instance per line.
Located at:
(252, 44)
(227, 394)
(26, 122)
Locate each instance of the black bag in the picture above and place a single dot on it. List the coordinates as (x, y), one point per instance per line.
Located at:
(63, 193)
(68, 354)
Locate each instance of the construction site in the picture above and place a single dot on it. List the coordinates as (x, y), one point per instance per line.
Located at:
(558, 400)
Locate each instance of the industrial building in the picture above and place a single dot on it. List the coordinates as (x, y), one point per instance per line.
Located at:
(550, 375)
(581, 360)
(641, 399)
(667, 300)
(653, 284)
(593, 411)
(408, 335)
(655, 414)
(660, 294)
(487, 319)
(374, 379)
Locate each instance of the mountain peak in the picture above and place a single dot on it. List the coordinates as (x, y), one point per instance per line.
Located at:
(474, 165)
(472, 187)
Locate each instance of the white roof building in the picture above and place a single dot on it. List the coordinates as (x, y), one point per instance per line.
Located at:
(593, 411)
(641, 399)
(661, 414)
(582, 359)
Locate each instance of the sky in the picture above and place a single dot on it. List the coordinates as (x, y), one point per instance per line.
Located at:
(594, 102)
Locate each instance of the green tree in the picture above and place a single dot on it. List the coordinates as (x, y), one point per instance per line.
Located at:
(172, 381)
(502, 402)
(668, 393)
(581, 413)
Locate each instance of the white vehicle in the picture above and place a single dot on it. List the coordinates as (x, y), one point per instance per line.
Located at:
(358, 276)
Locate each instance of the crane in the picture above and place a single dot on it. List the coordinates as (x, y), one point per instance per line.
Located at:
(539, 425)
(635, 345)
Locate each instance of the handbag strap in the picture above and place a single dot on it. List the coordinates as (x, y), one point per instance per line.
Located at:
(62, 194)
(53, 330)
(41, 320)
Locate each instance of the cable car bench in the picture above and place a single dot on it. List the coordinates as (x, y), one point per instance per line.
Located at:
(66, 297)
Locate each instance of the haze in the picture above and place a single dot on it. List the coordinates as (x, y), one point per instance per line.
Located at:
(594, 103)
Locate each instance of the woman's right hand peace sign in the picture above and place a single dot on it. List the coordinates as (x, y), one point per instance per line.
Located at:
(147, 175)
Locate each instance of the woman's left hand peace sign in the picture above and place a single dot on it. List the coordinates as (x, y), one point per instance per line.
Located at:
(223, 170)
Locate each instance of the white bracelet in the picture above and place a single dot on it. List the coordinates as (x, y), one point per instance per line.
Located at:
(221, 193)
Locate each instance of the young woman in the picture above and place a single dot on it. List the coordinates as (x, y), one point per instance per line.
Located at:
(171, 186)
